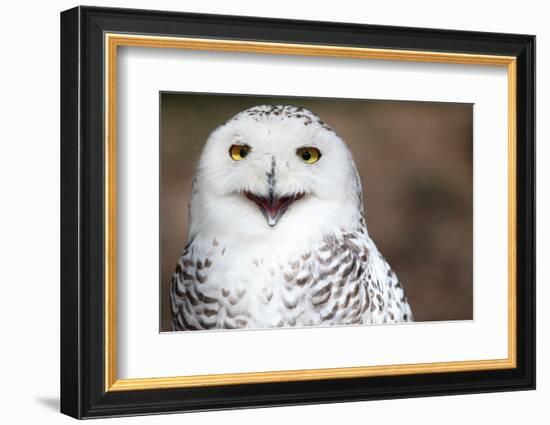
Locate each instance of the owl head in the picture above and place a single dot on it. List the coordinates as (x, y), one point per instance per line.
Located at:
(275, 171)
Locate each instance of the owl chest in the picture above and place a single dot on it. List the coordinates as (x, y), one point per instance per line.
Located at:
(295, 291)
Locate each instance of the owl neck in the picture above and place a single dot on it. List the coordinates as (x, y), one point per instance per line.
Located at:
(236, 221)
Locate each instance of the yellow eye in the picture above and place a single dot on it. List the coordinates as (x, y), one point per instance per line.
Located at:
(238, 152)
(309, 154)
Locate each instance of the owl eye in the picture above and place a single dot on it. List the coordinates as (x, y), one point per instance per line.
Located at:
(309, 154)
(239, 152)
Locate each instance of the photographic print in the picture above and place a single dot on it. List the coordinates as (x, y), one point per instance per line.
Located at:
(332, 197)
(293, 211)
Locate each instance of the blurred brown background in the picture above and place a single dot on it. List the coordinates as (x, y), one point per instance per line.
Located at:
(415, 162)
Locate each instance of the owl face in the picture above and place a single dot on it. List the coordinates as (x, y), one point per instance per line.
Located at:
(274, 168)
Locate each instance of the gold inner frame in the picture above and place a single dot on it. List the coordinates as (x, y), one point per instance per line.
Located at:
(113, 41)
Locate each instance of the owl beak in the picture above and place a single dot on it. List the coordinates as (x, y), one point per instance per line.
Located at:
(273, 207)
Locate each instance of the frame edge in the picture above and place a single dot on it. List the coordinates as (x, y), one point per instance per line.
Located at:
(70, 349)
(526, 217)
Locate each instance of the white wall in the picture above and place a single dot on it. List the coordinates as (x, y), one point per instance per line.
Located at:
(29, 225)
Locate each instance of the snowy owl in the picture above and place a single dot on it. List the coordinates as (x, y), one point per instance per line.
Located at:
(277, 233)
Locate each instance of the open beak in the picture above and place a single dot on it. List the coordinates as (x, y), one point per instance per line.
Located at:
(273, 207)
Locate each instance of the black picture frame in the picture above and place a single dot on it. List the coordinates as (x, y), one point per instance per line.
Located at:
(83, 392)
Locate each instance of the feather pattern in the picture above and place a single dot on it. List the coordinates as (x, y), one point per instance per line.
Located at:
(342, 280)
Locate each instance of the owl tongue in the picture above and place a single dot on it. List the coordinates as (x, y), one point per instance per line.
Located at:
(273, 207)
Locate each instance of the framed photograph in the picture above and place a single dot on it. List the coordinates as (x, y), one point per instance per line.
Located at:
(261, 212)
